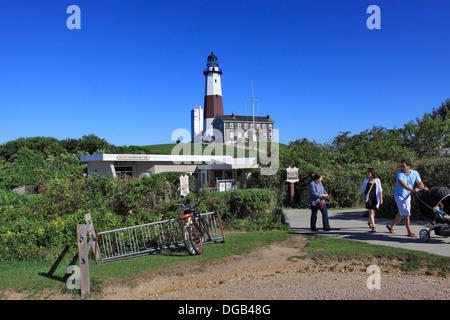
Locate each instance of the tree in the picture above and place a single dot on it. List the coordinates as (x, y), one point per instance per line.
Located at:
(443, 111)
(41, 145)
(430, 133)
(377, 144)
(88, 143)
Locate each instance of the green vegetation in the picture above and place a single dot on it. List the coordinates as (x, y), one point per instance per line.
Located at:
(36, 275)
(33, 276)
(39, 227)
(344, 161)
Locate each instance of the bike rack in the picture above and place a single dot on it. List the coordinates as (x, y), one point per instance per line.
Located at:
(135, 241)
(148, 238)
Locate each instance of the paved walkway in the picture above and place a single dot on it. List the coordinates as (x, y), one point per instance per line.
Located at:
(350, 224)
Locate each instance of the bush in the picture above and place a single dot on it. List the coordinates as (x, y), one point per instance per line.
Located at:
(343, 177)
(39, 227)
(246, 209)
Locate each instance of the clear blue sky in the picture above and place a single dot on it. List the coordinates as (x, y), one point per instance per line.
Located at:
(133, 72)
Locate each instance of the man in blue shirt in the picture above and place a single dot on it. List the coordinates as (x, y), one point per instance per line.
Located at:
(406, 178)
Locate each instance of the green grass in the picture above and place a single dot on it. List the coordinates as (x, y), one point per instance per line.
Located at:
(326, 248)
(35, 276)
(216, 149)
(236, 243)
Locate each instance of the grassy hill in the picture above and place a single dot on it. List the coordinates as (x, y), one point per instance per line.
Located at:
(190, 148)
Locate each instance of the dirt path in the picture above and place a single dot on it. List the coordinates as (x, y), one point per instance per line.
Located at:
(280, 272)
(277, 272)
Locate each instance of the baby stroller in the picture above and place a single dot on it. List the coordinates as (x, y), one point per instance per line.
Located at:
(434, 204)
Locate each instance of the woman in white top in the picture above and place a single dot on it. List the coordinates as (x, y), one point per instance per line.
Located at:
(373, 195)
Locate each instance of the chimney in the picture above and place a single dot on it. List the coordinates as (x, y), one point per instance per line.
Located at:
(233, 116)
(268, 116)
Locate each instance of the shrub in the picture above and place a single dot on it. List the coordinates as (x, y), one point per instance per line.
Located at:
(38, 227)
(245, 209)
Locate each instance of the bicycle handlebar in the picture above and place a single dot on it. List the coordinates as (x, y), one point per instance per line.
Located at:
(192, 207)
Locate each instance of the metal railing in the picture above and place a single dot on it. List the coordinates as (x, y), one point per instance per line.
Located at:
(148, 238)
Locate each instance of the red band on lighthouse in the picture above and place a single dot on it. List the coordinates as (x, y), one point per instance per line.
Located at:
(213, 106)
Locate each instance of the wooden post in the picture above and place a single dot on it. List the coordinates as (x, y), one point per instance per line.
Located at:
(292, 194)
(86, 239)
(83, 261)
(292, 177)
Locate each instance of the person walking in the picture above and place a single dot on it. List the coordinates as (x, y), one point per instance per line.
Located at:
(406, 178)
(316, 200)
(372, 194)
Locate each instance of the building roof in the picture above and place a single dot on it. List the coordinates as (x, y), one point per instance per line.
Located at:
(235, 163)
(234, 118)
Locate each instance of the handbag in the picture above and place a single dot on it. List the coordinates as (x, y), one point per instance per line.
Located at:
(366, 195)
(321, 203)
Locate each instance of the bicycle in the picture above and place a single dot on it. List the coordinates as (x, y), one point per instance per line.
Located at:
(194, 228)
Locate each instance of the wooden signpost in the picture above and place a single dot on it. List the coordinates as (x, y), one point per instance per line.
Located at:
(292, 177)
(86, 240)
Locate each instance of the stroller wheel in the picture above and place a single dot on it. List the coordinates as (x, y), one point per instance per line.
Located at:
(424, 235)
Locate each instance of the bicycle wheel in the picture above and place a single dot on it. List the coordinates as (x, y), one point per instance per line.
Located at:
(187, 240)
(196, 239)
(205, 228)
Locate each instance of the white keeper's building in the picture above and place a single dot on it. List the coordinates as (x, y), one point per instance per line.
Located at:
(207, 170)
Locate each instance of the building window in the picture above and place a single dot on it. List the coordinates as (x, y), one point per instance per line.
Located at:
(245, 125)
(92, 171)
(257, 126)
(239, 125)
(231, 125)
(270, 126)
(264, 126)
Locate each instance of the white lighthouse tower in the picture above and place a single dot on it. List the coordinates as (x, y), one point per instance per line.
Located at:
(213, 105)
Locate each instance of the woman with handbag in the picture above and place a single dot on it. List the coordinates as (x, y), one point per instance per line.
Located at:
(372, 194)
(316, 200)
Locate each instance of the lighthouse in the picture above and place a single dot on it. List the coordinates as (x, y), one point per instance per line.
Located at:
(213, 105)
